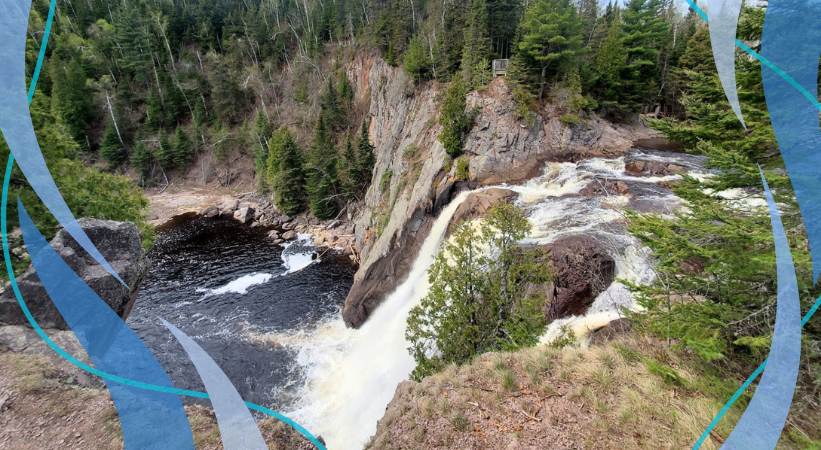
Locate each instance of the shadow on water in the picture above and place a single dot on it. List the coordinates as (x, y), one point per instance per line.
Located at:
(222, 282)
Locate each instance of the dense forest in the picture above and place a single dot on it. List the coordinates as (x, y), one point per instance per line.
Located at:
(148, 88)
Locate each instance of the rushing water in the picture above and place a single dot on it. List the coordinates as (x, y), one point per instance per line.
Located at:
(223, 283)
(270, 316)
(351, 375)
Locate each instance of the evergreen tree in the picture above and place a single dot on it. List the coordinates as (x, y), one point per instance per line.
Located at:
(608, 66)
(477, 302)
(182, 149)
(141, 160)
(365, 159)
(450, 40)
(644, 32)
(321, 177)
(417, 60)
(347, 168)
(111, 149)
(331, 112)
(456, 123)
(262, 130)
(165, 153)
(72, 99)
(551, 39)
(155, 116)
(285, 173)
(476, 51)
(503, 20)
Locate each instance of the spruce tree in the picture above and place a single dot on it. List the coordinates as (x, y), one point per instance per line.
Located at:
(285, 173)
(456, 123)
(111, 149)
(551, 40)
(476, 52)
(165, 152)
(72, 99)
(331, 112)
(608, 65)
(365, 159)
(644, 31)
(183, 149)
(321, 174)
(417, 60)
(262, 131)
(141, 161)
(347, 169)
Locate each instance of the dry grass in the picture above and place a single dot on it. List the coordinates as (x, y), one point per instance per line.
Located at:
(41, 408)
(599, 397)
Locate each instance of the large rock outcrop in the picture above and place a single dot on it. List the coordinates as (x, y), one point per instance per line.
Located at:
(411, 181)
(119, 243)
(582, 269)
(506, 149)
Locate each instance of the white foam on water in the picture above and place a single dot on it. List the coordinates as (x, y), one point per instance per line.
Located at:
(298, 254)
(238, 286)
(351, 375)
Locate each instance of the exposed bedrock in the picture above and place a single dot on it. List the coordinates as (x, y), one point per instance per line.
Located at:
(119, 243)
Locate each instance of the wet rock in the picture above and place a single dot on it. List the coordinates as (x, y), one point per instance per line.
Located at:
(244, 215)
(119, 243)
(605, 187)
(273, 234)
(582, 269)
(289, 235)
(210, 212)
(650, 167)
(478, 203)
(610, 331)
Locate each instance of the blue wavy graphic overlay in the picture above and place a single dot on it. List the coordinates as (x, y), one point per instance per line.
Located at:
(15, 120)
(150, 420)
(791, 40)
(762, 422)
(238, 429)
(108, 377)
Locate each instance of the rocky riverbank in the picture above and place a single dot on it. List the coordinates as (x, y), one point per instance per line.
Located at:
(167, 210)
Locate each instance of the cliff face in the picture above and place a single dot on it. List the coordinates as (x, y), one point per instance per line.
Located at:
(413, 177)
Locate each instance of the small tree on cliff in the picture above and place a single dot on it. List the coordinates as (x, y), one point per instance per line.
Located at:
(477, 300)
(284, 172)
(455, 121)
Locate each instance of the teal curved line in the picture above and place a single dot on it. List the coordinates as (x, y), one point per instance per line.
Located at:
(764, 61)
(36, 326)
(41, 56)
(99, 373)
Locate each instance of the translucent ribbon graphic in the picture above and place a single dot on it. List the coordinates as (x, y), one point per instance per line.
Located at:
(723, 15)
(150, 420)
(238, 429)
(18, 131)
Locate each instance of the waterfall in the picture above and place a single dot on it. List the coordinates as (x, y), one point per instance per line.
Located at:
(351, 375)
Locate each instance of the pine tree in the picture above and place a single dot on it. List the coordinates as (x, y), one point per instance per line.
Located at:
(165, 152)
(141, 160)
(644, 32)
(262, 131)
(72, 100)
(111, 149)
(347, 168)
(321, 176)
(476, 52)
(417, 60)
(182, 149)
(551, 39)
(456, 123)
(608, 65)
(285, 173)
(331, 112)
(365, 159)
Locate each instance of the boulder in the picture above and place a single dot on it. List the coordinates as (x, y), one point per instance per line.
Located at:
(119, 243)
(210, 212)
(582, 269)
(649, 167)
(478, 203)
(289, 235)
(244, 215)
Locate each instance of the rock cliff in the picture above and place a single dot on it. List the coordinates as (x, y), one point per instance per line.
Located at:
(119, 242)
(414, 177)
